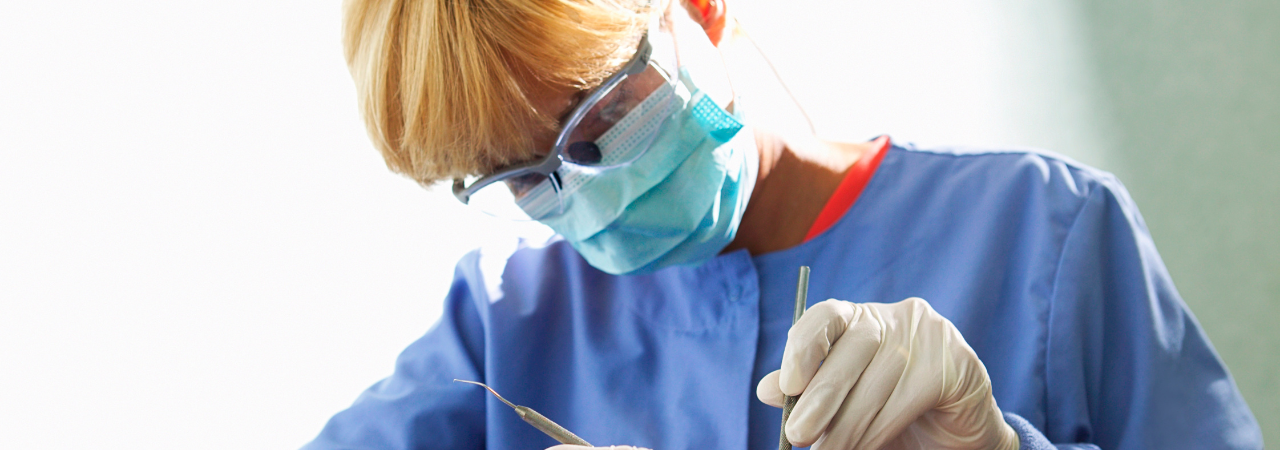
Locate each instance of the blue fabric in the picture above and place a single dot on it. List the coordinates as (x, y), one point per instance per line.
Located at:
(1044, 265)
(1029, 438)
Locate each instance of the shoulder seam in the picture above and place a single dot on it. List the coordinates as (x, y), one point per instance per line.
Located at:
(1053, 293)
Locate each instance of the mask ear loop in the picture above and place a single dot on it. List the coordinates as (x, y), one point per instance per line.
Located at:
(776, 75)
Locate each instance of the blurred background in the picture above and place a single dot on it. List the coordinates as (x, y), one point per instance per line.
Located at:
(200, 249)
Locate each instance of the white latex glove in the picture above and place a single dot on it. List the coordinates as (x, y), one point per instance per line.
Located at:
(579, 447)
(878, 375)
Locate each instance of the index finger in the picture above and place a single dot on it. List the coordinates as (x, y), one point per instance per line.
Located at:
(810, 340)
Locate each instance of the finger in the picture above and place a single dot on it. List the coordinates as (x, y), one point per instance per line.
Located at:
(877, 383)
(768, 392)
(809, 341)
(838, 374)
(611, 447)
(921, 386)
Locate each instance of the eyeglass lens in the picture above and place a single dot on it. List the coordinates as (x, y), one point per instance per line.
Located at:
(581, 146)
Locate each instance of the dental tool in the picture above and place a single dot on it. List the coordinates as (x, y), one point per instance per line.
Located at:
(538, 421)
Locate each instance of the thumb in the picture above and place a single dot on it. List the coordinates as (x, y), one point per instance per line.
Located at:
(769, 392)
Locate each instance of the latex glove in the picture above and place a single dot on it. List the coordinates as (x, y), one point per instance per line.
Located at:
(878, 375)
(579, 447)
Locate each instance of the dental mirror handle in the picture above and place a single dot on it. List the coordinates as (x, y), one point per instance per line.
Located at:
(539, 421)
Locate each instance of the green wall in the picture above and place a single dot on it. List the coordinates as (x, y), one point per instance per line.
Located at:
(1193, 89)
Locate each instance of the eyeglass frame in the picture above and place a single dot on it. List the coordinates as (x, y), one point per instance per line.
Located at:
(548, 165)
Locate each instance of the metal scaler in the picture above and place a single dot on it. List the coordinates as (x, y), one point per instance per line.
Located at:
(538, 421)
(802, 300)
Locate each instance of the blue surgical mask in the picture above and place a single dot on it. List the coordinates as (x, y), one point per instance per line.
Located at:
(680, 202)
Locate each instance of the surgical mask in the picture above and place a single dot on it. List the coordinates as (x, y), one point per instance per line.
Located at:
(680, 202)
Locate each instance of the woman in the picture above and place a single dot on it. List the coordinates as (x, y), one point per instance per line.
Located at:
(661, 315)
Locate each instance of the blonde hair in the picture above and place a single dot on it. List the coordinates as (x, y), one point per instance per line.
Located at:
(441, 83)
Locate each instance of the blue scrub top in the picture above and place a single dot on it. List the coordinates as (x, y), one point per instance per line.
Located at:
(1043, 264)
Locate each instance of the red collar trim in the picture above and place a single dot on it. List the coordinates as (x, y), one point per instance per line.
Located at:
(855, 179)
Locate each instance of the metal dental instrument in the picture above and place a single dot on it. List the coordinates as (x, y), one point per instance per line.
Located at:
(802, 300)
(538, 421)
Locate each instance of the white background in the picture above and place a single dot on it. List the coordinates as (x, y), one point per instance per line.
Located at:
(198, 246)
(200, 249)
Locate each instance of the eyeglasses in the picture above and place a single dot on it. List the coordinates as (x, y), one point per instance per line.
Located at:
(498, 193)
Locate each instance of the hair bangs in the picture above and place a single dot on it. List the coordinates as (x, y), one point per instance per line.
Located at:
(442, 84)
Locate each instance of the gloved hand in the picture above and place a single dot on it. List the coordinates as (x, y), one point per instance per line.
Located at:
(878, 375)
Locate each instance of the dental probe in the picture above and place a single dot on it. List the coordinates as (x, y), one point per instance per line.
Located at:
(538, 421)
(802, 300)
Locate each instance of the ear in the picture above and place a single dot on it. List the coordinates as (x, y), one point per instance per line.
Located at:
(711, 14)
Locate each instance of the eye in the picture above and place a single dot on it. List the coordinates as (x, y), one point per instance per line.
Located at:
(584, 152)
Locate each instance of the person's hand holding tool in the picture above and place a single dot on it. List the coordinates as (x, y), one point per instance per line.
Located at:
(885, 375)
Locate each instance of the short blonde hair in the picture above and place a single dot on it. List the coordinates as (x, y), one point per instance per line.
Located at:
(441, 83)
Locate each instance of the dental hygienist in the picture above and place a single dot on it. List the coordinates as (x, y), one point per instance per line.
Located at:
(982, 298)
